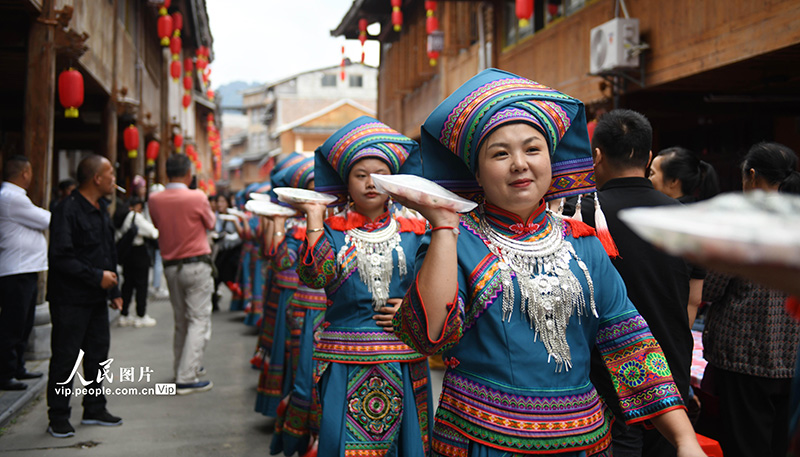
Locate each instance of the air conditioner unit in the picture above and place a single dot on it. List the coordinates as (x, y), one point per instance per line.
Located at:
(613, 44)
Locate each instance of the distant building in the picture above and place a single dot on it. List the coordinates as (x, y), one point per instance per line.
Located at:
(298, 113)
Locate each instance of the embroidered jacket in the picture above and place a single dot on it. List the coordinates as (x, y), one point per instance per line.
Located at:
(351, 335)
(501, 389)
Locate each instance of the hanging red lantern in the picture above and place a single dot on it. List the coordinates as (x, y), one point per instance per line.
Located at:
(553, 9)
(191, 152)
(341, 72)
(205, 78)
(397, 15)
(187, 83)
(187, 100)
(175, 70)
(175, 45)
(362, 35)
(177, 23)
(177, 140)
(151, 153)
(131, 139)
(70, 91)
(187, 65)
(164, 7)
(524, 9)
(165, 29)
(431, 21)
(210, 94)
(433, 57)
(199, 166)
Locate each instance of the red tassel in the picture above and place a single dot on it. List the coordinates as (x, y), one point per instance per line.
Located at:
(793, 306)
(282, 406)
(601, 226)
(258, 359)
(579, 229)
(312, 449)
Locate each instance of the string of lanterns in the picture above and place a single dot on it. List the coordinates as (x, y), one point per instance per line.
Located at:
(431, 26)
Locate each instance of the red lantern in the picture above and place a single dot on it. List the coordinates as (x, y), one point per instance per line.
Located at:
(187, 100)
(177, 140)
(397, 15)
(175, 45)
(341, 72)
(362, 35)
(165, 29)
(199, 166)
(187, 83)
(210, 94)
(524, 9)
(131, 139)
(177, 23)
(175, 70)
(552, 8)
(187, 65)
(152, 152)
(433, 57)
(191, 152)
(70, 91)
(164, 7)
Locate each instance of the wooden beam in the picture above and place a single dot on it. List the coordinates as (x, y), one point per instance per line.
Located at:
(38, 111)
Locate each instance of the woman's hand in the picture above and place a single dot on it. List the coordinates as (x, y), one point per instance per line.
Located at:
(435, 213)
(310, 208)
(386, 314)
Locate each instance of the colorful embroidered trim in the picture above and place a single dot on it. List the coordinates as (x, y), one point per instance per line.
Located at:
(308, 298)
(363, 347)
(571, 177)
(287, 279)
(638, 368)
(379, 136)
(521, 423)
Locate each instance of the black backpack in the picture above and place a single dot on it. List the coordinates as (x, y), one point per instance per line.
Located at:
(125, 243)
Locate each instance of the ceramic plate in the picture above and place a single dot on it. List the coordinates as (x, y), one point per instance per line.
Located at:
(292, 195)
(753, 227)
(260, 197)
(237, 213)
(228, 217)
(422, 191)
(269, 209)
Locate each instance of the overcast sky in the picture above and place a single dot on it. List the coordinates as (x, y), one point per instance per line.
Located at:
(265, 40)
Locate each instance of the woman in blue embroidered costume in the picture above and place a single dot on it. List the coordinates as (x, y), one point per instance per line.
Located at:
(515, 296)
(373, 389)
(280, 283)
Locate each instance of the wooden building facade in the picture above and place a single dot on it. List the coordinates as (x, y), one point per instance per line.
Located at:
(719, 75)
(115, 46)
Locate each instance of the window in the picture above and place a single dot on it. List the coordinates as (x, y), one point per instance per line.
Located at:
(328, 80)
(513, 32)
(356, 81)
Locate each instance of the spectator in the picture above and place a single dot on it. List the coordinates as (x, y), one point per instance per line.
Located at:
(65, 188)
(157, 290)
(136, 266)
(680, 174)
(23, 253)
(182, 217)
(227, 246)
(82, 279)
(657, 284)
(750, 341)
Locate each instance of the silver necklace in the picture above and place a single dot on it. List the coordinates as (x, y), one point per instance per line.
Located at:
(549, 291)
(374, 258)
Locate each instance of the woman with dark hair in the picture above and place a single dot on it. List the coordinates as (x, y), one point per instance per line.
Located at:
(516, 297)
(373, 389)
(227, 246)
(750, 340)
(680, 174)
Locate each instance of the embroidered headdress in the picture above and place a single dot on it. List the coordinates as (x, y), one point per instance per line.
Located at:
(298, 174)
(453, 133)
(362, 138)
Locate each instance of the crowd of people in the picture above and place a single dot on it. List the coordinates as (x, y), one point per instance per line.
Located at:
(562, 331)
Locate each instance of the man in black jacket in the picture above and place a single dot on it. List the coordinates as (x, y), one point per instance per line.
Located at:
(658, 284)
(82, 279)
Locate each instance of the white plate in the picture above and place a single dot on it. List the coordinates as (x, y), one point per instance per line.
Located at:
(268, 209)
(260, 197)
(754, 227)
(293, 195)
(237, 213)
(228, 217)
(422, 191)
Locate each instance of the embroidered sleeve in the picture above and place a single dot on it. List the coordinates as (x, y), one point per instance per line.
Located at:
(317, 268)
(411, 321)
(284, 255)
(638, 368)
